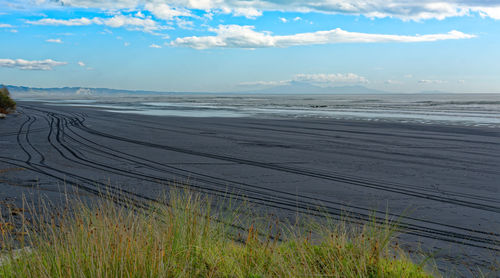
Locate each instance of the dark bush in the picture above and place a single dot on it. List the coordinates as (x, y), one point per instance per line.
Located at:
(6, 103)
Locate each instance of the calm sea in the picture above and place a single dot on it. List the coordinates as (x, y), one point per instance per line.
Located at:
(455, 109)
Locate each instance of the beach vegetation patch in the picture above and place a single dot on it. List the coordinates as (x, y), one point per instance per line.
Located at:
(7, 104)
(191, 235)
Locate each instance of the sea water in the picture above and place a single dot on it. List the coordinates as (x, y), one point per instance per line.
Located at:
(455, 109)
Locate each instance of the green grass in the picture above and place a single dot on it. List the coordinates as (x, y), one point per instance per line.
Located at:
(191, 238)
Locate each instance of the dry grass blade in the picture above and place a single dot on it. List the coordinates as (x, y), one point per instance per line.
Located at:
(182, 239)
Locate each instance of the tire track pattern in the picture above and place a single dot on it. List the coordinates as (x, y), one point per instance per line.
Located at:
(70, 137)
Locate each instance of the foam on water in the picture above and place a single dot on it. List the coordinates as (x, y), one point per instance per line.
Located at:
(182, 113)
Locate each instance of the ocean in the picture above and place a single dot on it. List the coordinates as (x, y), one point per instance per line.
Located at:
(449, 109)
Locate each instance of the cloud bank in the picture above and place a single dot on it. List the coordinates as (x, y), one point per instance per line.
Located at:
(317, 79)
(147, 25)
(332, 78)
(47, 64)
(235, 36)
(403, 9)
(54, 40)
(429, 81)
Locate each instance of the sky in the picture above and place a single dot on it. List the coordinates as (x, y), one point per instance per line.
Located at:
(244, 45)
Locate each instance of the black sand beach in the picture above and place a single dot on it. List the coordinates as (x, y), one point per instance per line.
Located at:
(443, 180)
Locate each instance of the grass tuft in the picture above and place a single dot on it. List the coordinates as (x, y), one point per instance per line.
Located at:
(190, 238)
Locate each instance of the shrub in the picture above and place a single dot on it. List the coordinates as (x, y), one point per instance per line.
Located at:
(6, 103)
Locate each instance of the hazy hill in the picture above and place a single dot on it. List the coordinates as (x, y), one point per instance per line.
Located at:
(291, 88)
(21, 91)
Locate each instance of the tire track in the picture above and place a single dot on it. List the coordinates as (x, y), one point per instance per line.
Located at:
(467, 237)
(63, 121)
(331, 177)
(396, 185)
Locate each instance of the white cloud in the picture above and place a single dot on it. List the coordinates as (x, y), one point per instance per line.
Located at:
(209, 15)
(408, 76)
(126, 44)
(431, 81)
(322, 78)
(164, 11)
(66, 22)
(393, 82)
(54, 40)
(284, 20)
(129, 22)
(4, 25)
(317, 79)
(133, 23)
(265, 83)
(102, 4)
(155, 46)
(81, 64)
(47, 64)
(493, 11)
(403, 9)
(184, 24)
(247, 12)
(236, 36)
(106, 31)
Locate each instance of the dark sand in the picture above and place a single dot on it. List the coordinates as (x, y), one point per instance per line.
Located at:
(444, 179)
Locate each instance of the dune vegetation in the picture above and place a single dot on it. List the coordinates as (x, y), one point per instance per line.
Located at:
(188, 236)
(7, 105)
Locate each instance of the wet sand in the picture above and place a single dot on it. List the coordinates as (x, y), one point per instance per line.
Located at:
(444, 180)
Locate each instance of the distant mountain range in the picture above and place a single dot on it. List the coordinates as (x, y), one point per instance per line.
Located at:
(21, 91)
(290, 88)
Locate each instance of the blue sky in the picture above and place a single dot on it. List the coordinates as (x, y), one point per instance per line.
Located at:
(230, 45)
